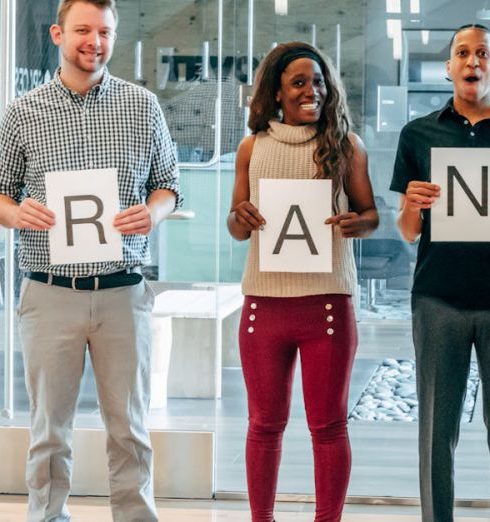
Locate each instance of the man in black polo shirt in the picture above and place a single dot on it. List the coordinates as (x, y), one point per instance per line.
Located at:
(451, 291)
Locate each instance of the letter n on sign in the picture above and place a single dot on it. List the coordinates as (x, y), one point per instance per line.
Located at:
(295, 238)
(85, 203)
(461, 213)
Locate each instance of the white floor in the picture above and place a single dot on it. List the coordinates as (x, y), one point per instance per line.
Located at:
(90, 509)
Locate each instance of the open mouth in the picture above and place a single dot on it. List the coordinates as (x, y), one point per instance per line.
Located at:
(471, 79)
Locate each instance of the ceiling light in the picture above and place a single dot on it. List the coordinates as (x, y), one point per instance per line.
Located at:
(394, 32)
(138, 61)
(415, 6)
(397, 47)
(281, 7)
(393, 6)
(392, 27)
(425, 37)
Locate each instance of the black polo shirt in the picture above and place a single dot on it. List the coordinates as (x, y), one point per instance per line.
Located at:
(458, 272)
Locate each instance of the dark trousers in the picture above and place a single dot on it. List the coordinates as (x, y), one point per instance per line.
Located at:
(272, 331)
(443, 338)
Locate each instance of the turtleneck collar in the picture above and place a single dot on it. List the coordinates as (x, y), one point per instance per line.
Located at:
(291, 133)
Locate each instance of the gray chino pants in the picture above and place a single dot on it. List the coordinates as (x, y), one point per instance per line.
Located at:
(57, 324)
(443, 338)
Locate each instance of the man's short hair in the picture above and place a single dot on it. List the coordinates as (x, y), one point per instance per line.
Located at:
(480, 27)
(66, 5)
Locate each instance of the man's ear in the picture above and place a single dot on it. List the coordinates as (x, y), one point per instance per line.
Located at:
(56, 31)
(448, 69)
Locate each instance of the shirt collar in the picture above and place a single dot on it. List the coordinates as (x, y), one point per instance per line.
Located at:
(97, 90)
(447, 110)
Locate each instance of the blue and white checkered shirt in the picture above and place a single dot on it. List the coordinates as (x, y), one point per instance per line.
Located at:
(116, 125)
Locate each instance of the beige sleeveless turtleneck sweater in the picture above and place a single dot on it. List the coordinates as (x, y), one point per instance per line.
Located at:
(286, 152)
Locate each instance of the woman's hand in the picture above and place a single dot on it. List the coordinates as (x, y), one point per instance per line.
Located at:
(352, 224)
(248, 217)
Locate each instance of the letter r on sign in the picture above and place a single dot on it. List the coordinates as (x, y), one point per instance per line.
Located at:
(70, 221)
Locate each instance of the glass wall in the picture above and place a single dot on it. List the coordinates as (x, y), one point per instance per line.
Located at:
(199, 59)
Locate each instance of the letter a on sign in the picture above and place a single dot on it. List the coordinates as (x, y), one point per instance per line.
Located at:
(305, 233)
(85, 203)
(295, 238)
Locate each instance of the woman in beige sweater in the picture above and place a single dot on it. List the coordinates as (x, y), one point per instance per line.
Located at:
(300, 125)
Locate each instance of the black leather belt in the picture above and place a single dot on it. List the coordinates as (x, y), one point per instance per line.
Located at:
(122, 278)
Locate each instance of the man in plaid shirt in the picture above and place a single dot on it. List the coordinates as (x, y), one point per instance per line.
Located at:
(85, 119)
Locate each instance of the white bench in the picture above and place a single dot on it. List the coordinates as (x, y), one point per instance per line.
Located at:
(188, 326)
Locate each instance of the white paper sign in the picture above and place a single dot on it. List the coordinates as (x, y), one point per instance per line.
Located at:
(85, 203)
(295, 238)
(461, 212)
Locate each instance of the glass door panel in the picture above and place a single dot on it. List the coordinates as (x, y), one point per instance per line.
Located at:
(174, 50)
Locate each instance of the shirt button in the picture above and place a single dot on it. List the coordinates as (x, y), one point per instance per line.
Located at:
(466, 122)
(253, 306)
(250, 329)
(330, 331)
(472, 133)
(328, 306)
(252, 317)
(329, 318)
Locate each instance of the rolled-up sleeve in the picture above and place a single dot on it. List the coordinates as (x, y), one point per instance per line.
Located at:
(164, 173)
(12, 157)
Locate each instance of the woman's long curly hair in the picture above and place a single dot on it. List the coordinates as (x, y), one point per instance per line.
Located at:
(334, 151)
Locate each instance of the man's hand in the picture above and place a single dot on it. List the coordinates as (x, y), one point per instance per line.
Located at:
(420, 195)
(134, 220)
(32, 215)
(351, 224)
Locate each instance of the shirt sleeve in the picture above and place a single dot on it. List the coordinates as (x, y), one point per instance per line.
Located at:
(12, 157)
(405, 169)
(164, 173)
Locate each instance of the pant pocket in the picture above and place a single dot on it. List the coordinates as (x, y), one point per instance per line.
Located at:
(149, 292)
(26, 283)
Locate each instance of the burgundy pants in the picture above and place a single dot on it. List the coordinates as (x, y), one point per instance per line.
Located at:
(272, 331)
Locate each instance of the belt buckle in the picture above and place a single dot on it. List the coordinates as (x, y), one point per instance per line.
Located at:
(74, 284)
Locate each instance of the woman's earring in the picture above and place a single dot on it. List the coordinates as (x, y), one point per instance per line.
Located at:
(280, 115)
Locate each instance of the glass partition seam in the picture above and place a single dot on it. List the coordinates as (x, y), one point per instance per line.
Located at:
(250, 42)
(338, 48)
(217, 322)
(7, 90)
(250, 57)
(218, 153)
